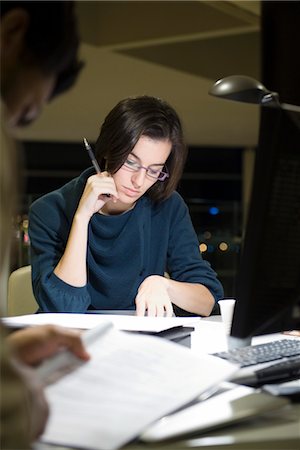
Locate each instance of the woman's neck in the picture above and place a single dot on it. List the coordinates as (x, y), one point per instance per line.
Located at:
(114, 209)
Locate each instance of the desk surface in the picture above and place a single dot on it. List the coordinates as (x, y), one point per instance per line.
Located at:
(274, 430)
(279, 430)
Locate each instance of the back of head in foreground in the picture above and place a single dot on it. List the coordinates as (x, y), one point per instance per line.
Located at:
(36, 37)
(39, 48)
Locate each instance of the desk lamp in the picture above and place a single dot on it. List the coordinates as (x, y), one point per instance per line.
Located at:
(245, 89)
(280, 174)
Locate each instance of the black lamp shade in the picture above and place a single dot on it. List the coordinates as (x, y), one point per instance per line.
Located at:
(242, 89)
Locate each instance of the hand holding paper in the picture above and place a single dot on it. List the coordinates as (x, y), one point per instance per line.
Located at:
(130, 381)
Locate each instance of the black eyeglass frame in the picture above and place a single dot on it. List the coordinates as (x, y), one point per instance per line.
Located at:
(136, 167)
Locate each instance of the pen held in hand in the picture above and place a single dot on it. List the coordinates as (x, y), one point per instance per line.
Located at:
(92, 156)
(93, 159)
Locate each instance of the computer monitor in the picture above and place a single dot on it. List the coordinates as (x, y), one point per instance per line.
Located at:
(268, 278)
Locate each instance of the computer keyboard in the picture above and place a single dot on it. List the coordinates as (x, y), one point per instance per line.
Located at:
(283, 371)
(256, 354)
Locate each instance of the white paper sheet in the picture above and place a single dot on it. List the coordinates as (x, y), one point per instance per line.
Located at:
(87, 321)
(130, 381)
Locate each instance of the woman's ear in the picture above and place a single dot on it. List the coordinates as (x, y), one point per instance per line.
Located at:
(14, 25)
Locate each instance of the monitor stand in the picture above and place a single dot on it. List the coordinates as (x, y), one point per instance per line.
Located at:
(235, 342)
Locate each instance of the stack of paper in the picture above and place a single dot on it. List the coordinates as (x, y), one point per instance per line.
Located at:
(130, 381)
(88, 321)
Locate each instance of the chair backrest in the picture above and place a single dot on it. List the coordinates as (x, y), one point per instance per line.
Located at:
(20, 298)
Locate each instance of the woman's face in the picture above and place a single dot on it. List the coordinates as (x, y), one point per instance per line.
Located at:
(131, 185)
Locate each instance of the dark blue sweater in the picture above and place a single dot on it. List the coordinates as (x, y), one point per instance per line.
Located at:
(122, 250)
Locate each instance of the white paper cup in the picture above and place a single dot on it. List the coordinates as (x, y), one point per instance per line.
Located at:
(227, 308)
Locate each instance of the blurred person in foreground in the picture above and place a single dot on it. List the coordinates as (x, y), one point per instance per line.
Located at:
(39, 60)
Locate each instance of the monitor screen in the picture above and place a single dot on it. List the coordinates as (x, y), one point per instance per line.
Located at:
(268, 278)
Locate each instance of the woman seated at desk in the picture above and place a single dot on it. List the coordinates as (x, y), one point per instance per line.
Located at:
(104, 241)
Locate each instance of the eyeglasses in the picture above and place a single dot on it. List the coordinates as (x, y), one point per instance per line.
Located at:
(151, 171)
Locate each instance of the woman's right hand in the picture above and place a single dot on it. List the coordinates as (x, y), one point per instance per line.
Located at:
(92, 200)
(95, 194)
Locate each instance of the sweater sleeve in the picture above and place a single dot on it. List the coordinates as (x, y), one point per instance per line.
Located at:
(185, 262)
(49, 228)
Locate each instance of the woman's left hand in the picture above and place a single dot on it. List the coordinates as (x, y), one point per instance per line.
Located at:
(153, 297)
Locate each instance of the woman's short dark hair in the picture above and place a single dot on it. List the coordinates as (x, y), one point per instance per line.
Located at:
(52, 39)
(132, 118)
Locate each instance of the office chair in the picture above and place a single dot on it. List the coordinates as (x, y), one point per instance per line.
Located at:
(20, 298)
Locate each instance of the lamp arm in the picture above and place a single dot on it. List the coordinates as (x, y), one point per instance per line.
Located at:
(272, 99)
(289, 107)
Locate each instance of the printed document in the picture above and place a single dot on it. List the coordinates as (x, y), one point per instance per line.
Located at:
(130, 381)
(88, 321)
